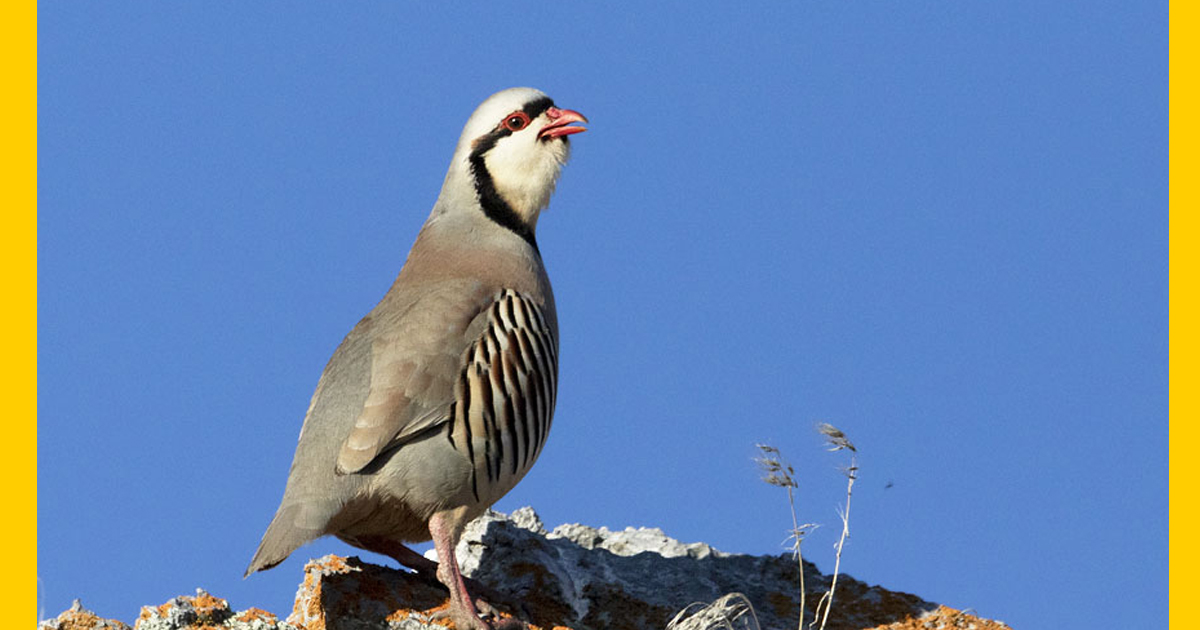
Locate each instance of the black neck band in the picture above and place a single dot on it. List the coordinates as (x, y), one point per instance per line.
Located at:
(494, 206)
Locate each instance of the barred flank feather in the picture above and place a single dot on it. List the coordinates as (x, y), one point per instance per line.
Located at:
(505, 396)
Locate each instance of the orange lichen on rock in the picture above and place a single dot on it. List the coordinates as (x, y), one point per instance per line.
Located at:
(336, 588)
(945, 618)
(307, 609)
(207, 606)
(79, 618)
(201, 611)
(576, 575)
(428, 613)
(332, 562)
(256, 614)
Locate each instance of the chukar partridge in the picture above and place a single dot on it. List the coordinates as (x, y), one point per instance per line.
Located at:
(439, 401)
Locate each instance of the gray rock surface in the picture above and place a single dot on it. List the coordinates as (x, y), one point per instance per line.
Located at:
(637, 578)
(574, 577)
(349, 594)
(204, 611)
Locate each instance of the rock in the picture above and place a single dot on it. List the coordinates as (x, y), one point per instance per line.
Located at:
(596, 579)
(944, 618)
(78, 618)
(348, 594)
(575, 576)
(205, 612)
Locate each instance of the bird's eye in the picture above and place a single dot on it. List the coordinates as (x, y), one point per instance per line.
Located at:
(516, 121)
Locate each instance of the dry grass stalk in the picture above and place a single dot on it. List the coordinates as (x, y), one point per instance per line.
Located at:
(837, 441)
(777, 472)
(731, 609)
(727, 613)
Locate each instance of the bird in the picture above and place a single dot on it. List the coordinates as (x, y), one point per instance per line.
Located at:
(440, 399)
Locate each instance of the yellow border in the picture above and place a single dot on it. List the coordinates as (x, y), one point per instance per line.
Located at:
(18, 248)
(1182, 312)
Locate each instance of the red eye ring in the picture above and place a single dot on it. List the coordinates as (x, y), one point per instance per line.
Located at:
(516, 121)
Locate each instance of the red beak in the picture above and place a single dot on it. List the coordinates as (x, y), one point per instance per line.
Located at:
(559, 119)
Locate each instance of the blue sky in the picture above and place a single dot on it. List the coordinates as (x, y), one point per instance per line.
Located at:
(940, 226)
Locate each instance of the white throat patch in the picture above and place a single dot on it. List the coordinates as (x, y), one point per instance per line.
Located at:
(525, 169)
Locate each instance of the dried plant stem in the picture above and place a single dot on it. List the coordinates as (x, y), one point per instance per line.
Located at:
(777, 472)
(827, 599)
(726, 613)
(799, 556)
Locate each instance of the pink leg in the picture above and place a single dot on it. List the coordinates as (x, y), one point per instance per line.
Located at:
(462, 607)
(402, 554)
(428, 569)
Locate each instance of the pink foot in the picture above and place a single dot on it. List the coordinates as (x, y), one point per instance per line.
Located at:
(463, 611)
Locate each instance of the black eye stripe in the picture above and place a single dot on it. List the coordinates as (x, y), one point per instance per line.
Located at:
(534, 108)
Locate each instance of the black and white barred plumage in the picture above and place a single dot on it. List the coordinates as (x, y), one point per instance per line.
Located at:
(504, 398)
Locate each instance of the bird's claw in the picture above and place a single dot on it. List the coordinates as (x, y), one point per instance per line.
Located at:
(486, 618)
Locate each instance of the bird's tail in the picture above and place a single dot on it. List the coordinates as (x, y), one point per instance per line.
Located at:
(292, 527)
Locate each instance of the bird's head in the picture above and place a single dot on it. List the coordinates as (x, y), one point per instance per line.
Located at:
(510, 155)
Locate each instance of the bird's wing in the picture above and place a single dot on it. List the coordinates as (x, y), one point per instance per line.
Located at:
(416, 365)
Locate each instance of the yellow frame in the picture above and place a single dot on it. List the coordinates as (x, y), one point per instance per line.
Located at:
(18, 247)
(1183, 205)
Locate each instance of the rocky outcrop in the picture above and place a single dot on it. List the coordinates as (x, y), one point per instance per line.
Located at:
(639, 578)
(572, 577)
(78, 618)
